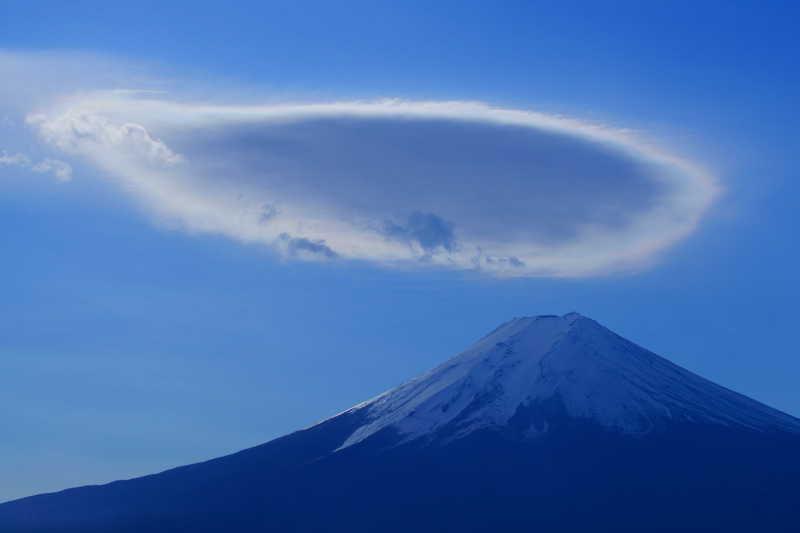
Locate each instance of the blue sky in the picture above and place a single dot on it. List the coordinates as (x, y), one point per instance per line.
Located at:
(165, 304)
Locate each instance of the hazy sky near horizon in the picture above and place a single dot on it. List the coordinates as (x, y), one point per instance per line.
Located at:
(223, 223)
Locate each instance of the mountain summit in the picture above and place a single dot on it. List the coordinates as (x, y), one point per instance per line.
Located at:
(530, 371)
(549, 423)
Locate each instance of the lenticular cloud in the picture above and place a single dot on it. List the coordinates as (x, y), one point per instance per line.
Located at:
(455, 185)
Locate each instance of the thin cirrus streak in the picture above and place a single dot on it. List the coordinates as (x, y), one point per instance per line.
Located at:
(460, 185)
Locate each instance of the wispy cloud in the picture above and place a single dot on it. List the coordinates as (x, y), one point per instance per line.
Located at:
(60, 170)
(461, 185)
(18, 160)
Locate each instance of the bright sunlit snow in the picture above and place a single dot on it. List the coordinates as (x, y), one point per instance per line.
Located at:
(599, 377)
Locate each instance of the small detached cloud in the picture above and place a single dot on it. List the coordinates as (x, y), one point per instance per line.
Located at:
(456, 185)
(59, 170)
(19, 160)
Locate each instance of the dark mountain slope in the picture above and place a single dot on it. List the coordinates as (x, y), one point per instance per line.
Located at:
(546, 424)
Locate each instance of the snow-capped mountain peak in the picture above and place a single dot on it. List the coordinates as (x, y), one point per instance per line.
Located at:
(568, 362)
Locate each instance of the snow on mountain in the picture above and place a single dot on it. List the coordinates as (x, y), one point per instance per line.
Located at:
(529, 362)
(583, 431)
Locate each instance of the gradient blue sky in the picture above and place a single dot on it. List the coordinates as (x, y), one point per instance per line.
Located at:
(128, 346)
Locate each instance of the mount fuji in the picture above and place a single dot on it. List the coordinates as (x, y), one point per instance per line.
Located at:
(548, 423)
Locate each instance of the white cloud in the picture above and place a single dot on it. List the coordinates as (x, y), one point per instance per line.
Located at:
(60, 170)
(19, 160)
(86, 132)
(460, 185)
